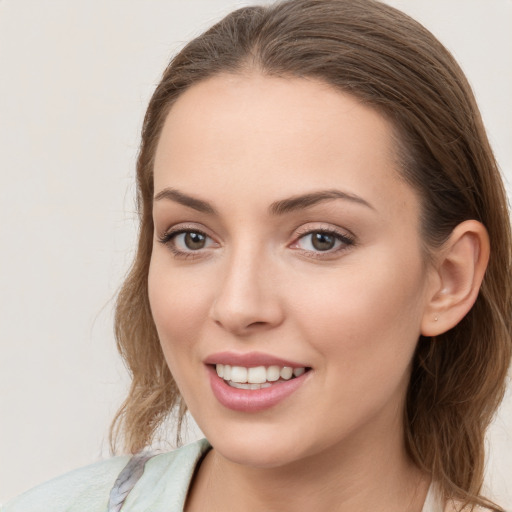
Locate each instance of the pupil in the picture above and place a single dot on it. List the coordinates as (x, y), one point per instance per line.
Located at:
(323, 241)
(194, 240)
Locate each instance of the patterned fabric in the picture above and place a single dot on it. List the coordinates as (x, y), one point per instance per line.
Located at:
(162, 487)
(126, 480)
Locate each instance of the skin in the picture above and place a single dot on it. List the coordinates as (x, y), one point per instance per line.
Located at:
(353, 314)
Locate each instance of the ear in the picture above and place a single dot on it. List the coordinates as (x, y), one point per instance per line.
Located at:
(458, 272)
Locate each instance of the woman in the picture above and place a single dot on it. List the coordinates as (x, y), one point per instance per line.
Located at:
(322, 276)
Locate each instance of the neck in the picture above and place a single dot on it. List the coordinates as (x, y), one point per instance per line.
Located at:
(359, 474)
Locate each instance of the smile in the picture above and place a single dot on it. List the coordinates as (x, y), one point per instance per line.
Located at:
(258, 377)
(251, 389)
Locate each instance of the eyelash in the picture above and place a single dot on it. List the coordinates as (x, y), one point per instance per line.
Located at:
(347, 241)
(168, 239)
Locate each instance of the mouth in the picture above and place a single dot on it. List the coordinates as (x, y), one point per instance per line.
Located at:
(251, 383)
(257, 377)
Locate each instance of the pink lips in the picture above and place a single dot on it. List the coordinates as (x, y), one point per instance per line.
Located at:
(250, 359)
(246, 400)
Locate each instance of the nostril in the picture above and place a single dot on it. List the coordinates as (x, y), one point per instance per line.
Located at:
(256, 324)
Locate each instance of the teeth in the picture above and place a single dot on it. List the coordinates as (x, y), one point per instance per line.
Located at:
(286, 373)
(249, 386)
(256, 377)
(297, 372)
(238, 374)
(273, 373)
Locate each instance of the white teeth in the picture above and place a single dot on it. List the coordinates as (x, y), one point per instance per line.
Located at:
(273, 373)
(297, 372)
(249, 386)
(238, 374)
(256, 377)
(286, 373)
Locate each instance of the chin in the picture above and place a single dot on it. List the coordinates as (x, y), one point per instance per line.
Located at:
(249, 443)
(256, 454)
(263, 445)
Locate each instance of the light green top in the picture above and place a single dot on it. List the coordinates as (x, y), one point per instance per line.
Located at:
(163, 486)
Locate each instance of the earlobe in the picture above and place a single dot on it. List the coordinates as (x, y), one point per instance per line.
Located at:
(459, 271)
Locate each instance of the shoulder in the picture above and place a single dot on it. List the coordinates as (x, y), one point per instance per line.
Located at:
(164, 485)
(86, 488)
(89, 488)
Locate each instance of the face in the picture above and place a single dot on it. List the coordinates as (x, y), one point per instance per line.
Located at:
(286, 247)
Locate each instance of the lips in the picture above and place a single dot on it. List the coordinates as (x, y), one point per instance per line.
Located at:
(254, 381)
(250, 359)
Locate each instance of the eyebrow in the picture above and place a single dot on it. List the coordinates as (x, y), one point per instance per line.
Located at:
(307, 200)
(186, 200)
(280, 207)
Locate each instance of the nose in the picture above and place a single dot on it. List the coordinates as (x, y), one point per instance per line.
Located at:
(248, 298)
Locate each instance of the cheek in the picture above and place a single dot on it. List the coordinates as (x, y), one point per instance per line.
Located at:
(365, 331)
(179, 307)
(366, 322)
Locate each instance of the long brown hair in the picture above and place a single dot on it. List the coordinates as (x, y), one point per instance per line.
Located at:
(392, 63)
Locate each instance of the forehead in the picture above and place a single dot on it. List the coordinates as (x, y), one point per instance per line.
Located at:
(278, 137)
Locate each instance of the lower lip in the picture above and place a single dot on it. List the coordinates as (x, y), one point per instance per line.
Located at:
(252, 400)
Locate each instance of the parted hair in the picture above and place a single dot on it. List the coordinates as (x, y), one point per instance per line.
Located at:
(389, 62)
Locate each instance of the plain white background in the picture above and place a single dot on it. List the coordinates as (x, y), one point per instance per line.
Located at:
(75, 78)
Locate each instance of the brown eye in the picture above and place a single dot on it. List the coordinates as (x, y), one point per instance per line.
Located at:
(187, 242)
(194, 241)
(323, 241)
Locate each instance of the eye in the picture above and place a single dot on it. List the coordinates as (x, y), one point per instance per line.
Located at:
(186, 242)
(316, 242)
(320, 241)
(190, 240)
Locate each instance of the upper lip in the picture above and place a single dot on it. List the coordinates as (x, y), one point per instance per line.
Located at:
(250, 359)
